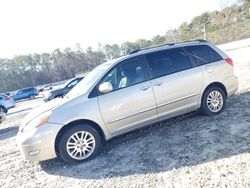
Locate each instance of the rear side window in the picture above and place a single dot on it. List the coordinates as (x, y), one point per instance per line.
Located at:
(26, 90)
(203, 54)
(168, 61)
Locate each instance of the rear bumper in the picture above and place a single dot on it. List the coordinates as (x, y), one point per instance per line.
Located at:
(10, 106)
(232, 85)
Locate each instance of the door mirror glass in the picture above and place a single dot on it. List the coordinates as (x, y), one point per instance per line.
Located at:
(105, 87)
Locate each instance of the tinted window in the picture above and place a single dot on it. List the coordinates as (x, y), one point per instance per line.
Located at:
(126, 73)
(168, 61)
(203, 54)
(26, 90)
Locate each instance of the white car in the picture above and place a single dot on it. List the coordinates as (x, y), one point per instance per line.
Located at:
(6, 103)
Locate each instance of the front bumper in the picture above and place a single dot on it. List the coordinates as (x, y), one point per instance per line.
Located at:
(38, 144)
(47, 96)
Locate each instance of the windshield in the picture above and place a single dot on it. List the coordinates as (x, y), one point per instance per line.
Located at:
(83, 86)
(66, 83)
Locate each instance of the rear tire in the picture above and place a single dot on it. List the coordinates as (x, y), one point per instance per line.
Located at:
(79, 143)
(213, 101)
(3, 109)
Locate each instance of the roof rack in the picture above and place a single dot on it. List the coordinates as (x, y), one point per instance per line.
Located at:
(134, 51)
(165, 44)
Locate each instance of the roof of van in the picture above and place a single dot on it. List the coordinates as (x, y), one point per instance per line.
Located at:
(154, 48)
(166, 45)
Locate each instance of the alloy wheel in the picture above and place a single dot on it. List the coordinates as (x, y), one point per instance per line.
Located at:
(214, 101)
(80, 145)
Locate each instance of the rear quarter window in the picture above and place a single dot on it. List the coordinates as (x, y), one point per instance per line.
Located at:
(203, 54)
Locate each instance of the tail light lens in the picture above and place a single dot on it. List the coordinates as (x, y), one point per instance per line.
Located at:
(7, 98)
(229, 61)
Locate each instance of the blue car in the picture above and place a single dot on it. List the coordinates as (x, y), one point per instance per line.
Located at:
(27, 93)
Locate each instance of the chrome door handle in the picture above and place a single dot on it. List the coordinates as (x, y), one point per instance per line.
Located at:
(157, 83)
(144, 88)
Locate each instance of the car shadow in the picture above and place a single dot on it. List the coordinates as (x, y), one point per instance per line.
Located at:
(187, 140)
(8, 132)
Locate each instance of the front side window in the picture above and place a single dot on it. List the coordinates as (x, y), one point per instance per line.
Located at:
(168, 61)
(126, 73)
(203, 54)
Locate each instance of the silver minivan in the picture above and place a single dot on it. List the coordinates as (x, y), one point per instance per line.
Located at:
(139, 89)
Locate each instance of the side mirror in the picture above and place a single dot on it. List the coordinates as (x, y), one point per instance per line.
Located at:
(105, 87)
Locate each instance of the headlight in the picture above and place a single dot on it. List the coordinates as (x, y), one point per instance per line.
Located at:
(38, 121)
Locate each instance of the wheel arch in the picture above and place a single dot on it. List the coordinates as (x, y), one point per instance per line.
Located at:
(77, 122)
(217, 84)
(5, 109)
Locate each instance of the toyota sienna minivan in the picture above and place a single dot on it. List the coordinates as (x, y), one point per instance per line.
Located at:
(139, 89)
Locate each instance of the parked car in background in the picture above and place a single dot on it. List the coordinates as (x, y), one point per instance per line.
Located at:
(8, 93)
(139, 89)
(63, 90)
(6, 103)
(47, 87)
(27, 93)
(2, 116)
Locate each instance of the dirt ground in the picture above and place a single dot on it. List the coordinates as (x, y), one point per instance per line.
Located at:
(187, 151)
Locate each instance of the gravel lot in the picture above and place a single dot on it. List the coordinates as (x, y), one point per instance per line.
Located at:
(187, 151)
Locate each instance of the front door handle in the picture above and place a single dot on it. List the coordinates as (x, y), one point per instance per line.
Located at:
(157, 83)
(144, 88)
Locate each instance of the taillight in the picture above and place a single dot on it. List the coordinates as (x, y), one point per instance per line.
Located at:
(7, 99)
(229, 61)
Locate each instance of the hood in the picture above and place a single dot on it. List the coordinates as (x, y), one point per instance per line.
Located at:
(41, 109)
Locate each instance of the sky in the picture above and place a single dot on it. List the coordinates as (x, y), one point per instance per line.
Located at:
(37, 26)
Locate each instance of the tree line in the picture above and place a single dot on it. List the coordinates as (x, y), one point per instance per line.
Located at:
(231, 23)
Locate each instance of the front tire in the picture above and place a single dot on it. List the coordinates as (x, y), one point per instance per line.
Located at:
(213, 101)
(79, 143)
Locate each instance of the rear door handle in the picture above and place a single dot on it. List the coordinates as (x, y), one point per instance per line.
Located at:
(144, 88)
(157, 83)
